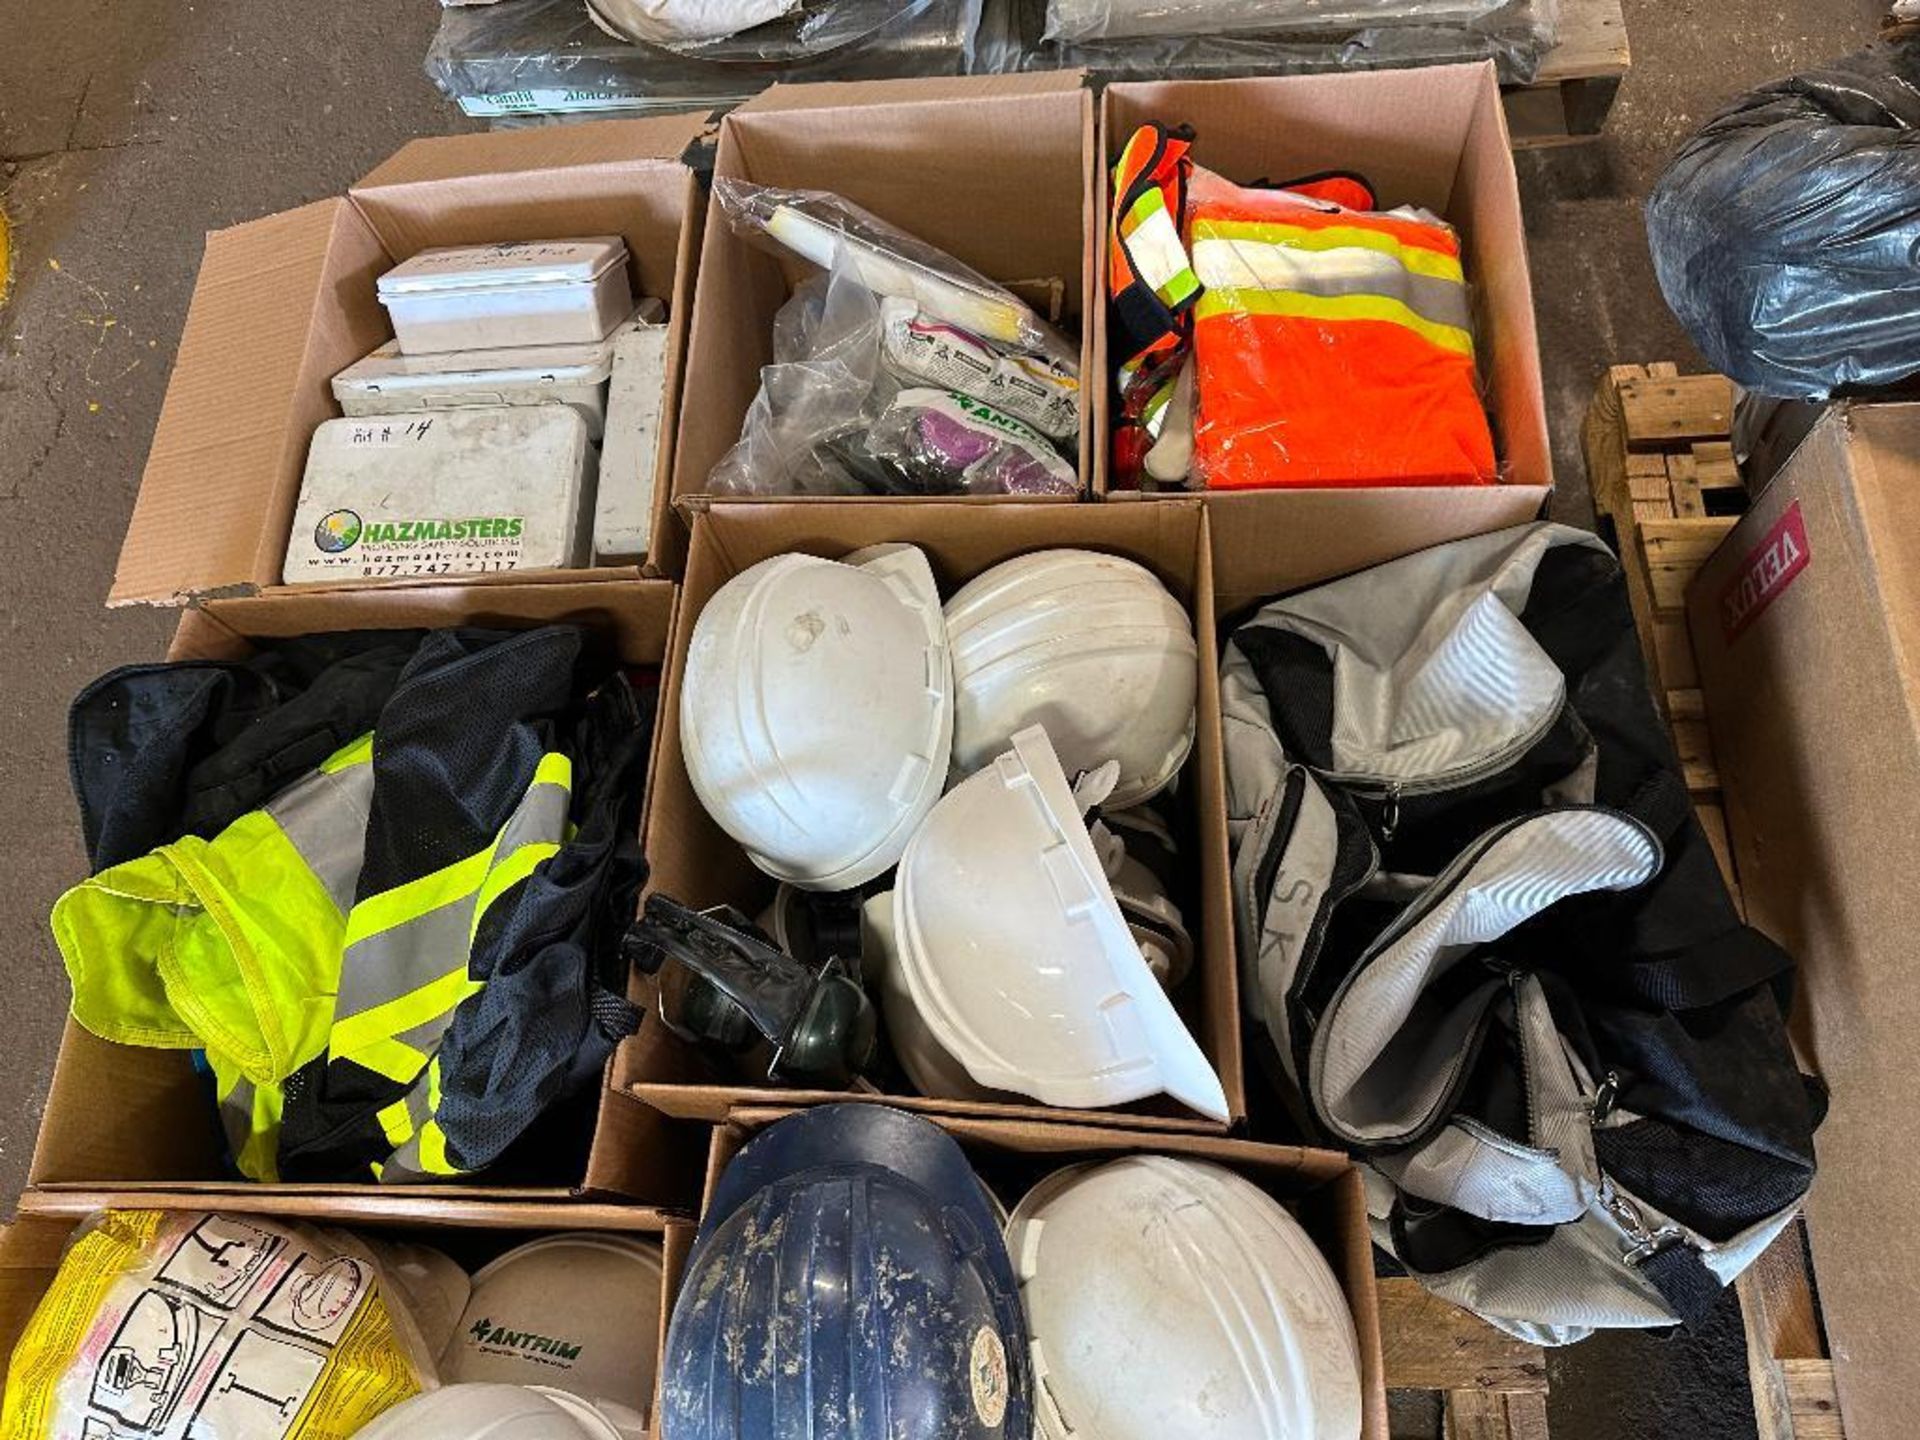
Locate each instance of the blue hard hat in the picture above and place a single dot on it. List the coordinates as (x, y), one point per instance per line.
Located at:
(849, 1282)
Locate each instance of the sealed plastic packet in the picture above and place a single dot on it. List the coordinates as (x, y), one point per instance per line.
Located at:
(168, 1325)
(1043, 392)
(947, 441)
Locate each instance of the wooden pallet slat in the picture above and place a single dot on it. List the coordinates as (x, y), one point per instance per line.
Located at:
(1661, 411)
(1683, 481)
(1675, 550)
(1483, 1415)
(1714, 465)
(1578, 80)
(1432, 1345)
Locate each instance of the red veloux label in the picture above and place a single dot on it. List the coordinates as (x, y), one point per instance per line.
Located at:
(1769, 568)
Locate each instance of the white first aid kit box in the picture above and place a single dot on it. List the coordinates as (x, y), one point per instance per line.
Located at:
(390, 382)
(523, 292)
(453, 492)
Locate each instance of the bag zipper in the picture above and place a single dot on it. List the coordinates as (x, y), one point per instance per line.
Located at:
(1390, 791)
(1526, 1066)
(1443, 885)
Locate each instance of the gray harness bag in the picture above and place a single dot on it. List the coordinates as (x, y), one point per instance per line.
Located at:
(1486, 946)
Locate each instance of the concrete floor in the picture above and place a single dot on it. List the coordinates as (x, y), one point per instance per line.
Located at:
(130, 127)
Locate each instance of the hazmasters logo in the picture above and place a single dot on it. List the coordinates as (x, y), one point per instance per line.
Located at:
(337, 531)
(342, 529)
(485, 1335)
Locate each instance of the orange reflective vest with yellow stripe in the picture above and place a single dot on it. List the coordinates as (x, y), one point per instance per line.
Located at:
(1330, 344)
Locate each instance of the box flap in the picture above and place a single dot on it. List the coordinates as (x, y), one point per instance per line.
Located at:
(545, 147)
(841, 94)
(267, 326)
(1403, 129)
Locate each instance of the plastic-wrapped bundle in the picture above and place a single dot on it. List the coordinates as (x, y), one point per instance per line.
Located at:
(1287, 336)
(552, 56)
(1235, 37)
(1131, 19)
(1785, 232)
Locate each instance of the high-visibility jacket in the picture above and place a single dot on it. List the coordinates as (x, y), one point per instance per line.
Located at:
(250, 947)
(1330, 344)
(403, 960)
(1331, 347)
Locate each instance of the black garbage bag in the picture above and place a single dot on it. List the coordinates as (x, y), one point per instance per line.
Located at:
(1786, 234)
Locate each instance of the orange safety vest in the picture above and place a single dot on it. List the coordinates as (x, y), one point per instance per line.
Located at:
(1332, 343)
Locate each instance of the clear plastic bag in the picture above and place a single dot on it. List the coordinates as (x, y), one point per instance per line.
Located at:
(530, 57)
(1785, 233)
(1327, 343)
(816, 400)
(832, 233)
(1070, 20)
(1514, 34)
(882, 381)
(170, 1324)
(752, 32)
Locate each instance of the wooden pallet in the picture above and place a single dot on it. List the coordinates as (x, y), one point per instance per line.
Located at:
(1491, 1386)
(1660, 463)
(1578, 79)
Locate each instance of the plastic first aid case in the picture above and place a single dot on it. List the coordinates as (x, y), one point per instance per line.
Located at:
(623, 506)
(391, 382)
(454, 492)
(525, 292)
(388, 382)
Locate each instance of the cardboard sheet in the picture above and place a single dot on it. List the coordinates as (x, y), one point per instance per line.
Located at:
(1805, 625)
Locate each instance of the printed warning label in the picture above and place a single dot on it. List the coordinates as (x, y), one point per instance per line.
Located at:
(1769, 569)
(204, 1327)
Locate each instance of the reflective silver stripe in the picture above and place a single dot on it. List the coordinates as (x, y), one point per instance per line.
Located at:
(1257, 265)
(404, 1165)
(404, 958)
(324, 818)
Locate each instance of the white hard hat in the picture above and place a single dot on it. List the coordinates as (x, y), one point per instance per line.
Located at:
(1169, 1297)
(929, 1065)
(491, 1412)
(577, 1311)
(1014, 952)
(816, 713)
(1091, 646)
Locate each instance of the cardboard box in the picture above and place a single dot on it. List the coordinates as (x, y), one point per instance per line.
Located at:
(992, 169)
(1430, 137)
(1321, 1188)
(284, 303)
(142, 1121)
(699, 865)
(1805, 625)
(471, 1234)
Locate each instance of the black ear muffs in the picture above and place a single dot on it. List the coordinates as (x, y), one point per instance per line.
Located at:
(723, 983)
